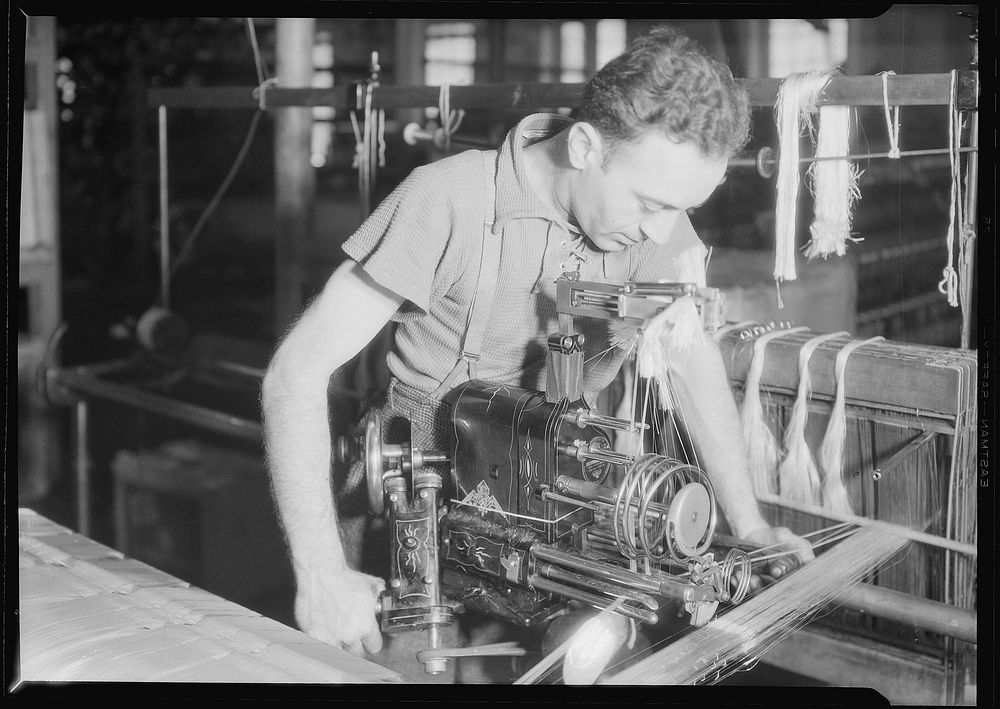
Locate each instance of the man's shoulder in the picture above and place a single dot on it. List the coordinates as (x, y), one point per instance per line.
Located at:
(460, 169)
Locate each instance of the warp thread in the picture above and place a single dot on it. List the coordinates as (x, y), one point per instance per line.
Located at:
(761, 444)
(834, 185)
(716, 651)
(796, 101)
(798, 476)
(831, 450)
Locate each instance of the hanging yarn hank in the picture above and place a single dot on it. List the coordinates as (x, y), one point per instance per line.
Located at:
(831, 451)
(834, 185)
(798, 477)
(796, 99)
(760, 442)
(949, 282)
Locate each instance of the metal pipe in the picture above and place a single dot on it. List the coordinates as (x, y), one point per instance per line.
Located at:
(747, 162)
(928, 615)
(83, 383)
(82, 469)
(556, 573)
(626, 577)
(164, 213)
(971, 186)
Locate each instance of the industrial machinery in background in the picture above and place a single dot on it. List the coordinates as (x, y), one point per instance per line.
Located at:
(532, 509)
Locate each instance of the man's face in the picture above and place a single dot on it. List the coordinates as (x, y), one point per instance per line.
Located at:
(642, 190)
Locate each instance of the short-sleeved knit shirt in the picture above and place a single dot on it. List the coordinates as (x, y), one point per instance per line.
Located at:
(419, 244)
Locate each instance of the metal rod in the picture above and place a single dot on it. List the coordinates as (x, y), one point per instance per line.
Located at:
(543, 584)
(894, 605)
(896, 529)
(922, 613)
(82, 469)
(745, 162)
(164, 213)
(971, 186)
(912, 445)
(904, 90)
(83, 383)
(557, 573)
(608, 572)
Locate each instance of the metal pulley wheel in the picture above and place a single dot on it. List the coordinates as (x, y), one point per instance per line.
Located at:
(373, 461)
(689, 518)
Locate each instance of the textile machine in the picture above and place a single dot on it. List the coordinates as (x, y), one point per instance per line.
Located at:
(532, 507)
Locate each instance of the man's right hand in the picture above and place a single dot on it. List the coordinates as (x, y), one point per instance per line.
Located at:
(339, 608)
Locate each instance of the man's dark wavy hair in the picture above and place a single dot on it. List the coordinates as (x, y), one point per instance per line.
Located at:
(665, 81)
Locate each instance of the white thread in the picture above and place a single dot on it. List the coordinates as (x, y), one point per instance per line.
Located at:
(450, 120)
(949, 282)
(831, 450)
(796, 101)
(891, 127)
(798, 477)
(262, 89)
(834, 184)
(675, 329)
(760, 442)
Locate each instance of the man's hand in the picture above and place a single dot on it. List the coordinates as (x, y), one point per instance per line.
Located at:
(339, 608)
(781, 539)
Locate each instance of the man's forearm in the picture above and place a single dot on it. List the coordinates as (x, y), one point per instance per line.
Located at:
(345, 317)
(298, 450)
(709, 412)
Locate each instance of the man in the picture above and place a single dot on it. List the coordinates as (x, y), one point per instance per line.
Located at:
(607, 196)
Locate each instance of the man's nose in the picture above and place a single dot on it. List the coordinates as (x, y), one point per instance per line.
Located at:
(657, 227)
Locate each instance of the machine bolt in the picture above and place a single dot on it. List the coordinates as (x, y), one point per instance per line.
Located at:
(876, 475)
(410, 542)
(395, 583)
(423, 494)
(393, 498)
(428, 579)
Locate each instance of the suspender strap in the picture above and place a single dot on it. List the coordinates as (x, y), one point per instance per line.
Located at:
(482, 299)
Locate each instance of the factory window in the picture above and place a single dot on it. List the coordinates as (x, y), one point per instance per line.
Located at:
(799, 45)
(610, 40)
(450, 53)
(572, 52)
(322, 129)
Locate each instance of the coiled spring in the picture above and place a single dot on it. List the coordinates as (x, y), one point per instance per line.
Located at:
(729, 574)
(641, 505)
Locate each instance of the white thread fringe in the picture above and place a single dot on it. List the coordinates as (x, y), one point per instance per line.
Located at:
(676, 329)
(796, 99)
(831, 451)
(834, 185)
(761, 444)
(798, 477)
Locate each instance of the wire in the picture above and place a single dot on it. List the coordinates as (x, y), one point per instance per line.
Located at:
(203, 219)
(258, 59)
(196, 230)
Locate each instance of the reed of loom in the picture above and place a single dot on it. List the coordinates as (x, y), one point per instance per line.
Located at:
(909, 459)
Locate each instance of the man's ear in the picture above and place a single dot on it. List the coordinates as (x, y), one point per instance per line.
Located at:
(584, 145)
